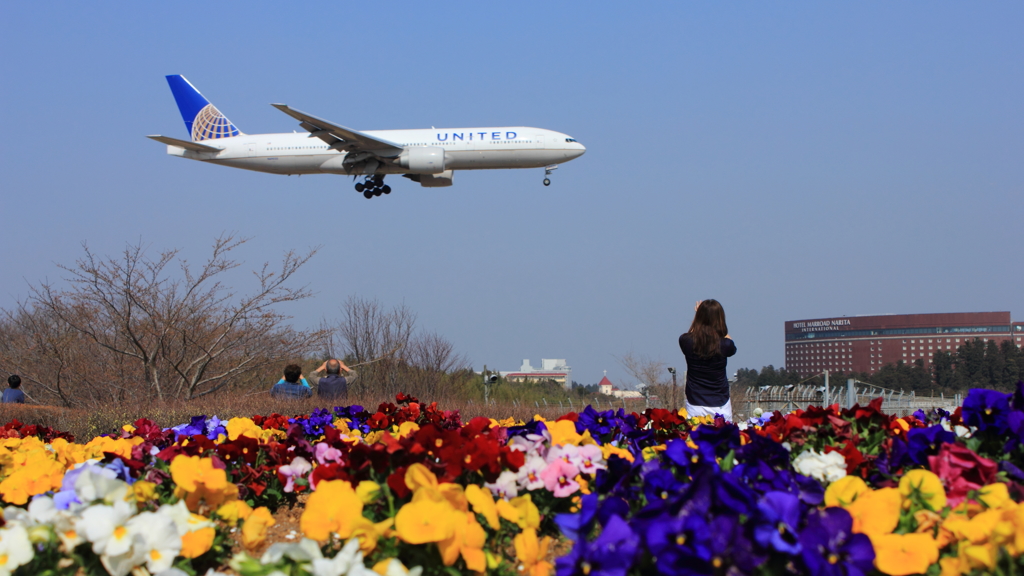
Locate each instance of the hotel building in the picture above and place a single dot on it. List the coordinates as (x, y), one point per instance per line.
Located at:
(866, 343)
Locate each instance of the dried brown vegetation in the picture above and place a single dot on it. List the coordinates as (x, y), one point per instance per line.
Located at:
(131, 330)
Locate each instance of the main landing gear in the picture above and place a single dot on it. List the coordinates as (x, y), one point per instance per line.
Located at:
(373, 186)
(547, 172)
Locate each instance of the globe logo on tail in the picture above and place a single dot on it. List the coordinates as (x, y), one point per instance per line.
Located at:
(210, 124)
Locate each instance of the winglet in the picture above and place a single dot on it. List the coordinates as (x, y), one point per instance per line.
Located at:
(202, 119)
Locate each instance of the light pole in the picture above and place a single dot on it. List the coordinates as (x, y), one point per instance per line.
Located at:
(672, 371)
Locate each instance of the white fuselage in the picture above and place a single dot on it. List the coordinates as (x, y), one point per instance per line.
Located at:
(464, 149)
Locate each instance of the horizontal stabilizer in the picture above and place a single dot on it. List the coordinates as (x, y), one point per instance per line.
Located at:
(186, 144)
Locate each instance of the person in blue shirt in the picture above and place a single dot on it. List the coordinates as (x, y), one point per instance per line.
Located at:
(13, 394)
(290, 386)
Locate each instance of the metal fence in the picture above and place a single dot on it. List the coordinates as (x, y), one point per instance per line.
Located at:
(793, 396)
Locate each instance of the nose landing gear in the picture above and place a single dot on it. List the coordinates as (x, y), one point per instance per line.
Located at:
(373, 186)
(547, 172)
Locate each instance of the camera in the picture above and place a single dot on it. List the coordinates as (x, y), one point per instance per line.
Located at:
(671, 370)
(492, 379)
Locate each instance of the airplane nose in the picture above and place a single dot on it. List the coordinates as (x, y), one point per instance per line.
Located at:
(578, 151)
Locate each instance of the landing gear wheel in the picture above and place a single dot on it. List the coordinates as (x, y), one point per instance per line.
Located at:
(547, 181)
(359, 187)
(377, 191)
(378, 180)
(386, 189)
(368, 194)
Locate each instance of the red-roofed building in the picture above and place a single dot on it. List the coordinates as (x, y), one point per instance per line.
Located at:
(606, 387)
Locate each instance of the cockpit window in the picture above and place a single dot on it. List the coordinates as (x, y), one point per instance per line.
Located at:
(570, 139)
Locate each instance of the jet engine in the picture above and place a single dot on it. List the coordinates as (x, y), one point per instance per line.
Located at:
(422, 160)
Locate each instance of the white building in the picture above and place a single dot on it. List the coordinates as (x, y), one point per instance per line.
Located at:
(554, 369)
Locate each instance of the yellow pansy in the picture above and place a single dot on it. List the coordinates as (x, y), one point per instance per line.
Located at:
(876, 512)
(418, 475)
(904, 554)
(520, 510)
(198, 542)
(200, 482)
(531, 553)
(368, 491)
(234, 511)
(254, 529)
(994, 495)
(466, 539)
(925, 484)
(242, 427)
(144, 491)
(845, 491)
(423, 521)
(564, 432)
(333, 508)
(483, 504)
(608, 450)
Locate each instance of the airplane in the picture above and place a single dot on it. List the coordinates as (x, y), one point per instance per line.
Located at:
(429, 157)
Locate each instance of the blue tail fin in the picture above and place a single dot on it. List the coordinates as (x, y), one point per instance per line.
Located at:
(202, 119)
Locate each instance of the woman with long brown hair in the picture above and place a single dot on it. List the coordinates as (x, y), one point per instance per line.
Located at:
(707, 346)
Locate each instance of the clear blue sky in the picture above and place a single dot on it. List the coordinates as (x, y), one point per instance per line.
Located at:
(792, 160)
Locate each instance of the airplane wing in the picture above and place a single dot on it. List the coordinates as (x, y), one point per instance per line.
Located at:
(341, 138)
(186, 144)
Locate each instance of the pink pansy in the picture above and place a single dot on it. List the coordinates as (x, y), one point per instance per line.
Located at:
(590, 459)
(505, 486)
(325, 453)
(559, 478)
(529, 473)
(568, 453)
(291, 472)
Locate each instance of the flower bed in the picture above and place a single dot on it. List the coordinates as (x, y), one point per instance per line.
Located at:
(410, 488)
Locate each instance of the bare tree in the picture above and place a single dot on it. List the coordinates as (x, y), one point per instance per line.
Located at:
(393, 357)
(432, 360)
(645, 370)
(186, 335)
(378, 340)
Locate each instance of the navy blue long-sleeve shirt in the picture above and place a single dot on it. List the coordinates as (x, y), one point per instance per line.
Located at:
(706, 382)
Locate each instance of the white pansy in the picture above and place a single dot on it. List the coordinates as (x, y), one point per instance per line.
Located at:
(41, 509)
(529, 473)
(67, 527)
(18, 516)
(824, 468)
(122, 564)
(156, 538)
(98, 483)
(15, 548)
(504, 486)
(963, 432)
(347, 558)
(183, 519)
(305, 551)
(106, 527)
